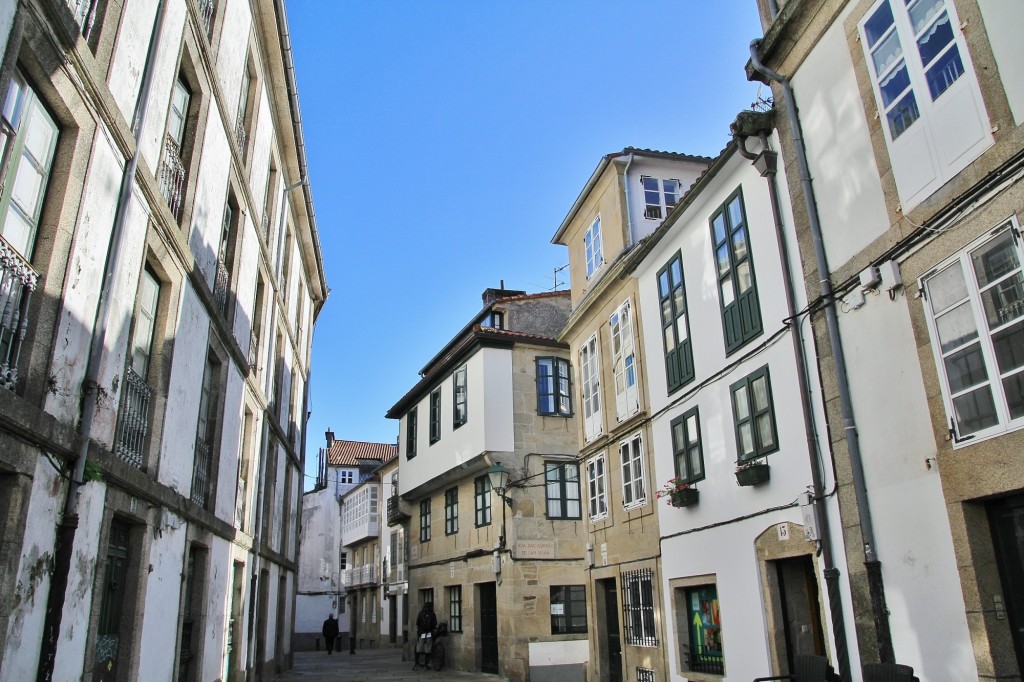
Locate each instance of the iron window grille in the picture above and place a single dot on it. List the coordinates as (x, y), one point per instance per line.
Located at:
(638, 607)
(645, 675)
(455, 608)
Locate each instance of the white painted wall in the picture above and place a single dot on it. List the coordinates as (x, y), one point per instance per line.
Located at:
(162, 590)
(230, 446)
(1003, 19)
(839, 151)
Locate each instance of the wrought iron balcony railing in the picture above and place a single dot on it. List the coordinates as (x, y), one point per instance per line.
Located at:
(254, 351)
(395, 513)
(221, 284)
(241, 135)
(85, 14)
(266, 227)
(171, 177)
(201, 472)
(17, 282)
(133, 420)
(240, 504)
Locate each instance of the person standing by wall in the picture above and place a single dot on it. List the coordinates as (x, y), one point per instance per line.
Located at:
(330, 632)
(426, 621)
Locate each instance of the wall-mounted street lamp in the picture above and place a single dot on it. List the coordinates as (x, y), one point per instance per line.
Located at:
(498, 476)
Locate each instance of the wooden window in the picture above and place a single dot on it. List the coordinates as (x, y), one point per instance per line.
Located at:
(741, 312)
(675, 325)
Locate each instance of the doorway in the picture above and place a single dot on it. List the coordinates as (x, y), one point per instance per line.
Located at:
(796, 596)
(488, 610)
(1006, 518)
(609, 641)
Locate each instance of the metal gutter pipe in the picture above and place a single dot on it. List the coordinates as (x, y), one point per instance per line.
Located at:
(629, 213)
(68, 526)
(767, 165)
(871, 562)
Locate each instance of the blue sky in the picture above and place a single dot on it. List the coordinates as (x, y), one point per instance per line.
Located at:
(446, 140)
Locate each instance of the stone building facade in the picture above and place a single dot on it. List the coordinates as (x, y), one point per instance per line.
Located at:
(160, 275)
(503, 568)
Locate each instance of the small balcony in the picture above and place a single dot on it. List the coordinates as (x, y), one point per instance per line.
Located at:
(85, 14)
(360, 576)
(171, 177)
(221, 284)
(240, 504)
(241, 135)
(17, 282)
(201, 473)
(395, 513)
(133, 419)
(254, 351)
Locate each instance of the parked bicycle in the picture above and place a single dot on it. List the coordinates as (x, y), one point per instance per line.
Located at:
(436, 657)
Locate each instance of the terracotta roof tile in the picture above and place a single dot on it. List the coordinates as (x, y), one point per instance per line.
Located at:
(348, 453)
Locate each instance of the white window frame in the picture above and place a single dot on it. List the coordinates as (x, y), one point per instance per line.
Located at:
(590, 386)
(974, 301)
(658, 210)
(949, 131)
(592, 249)
(634, 479)
(624, 370)
(597, 487)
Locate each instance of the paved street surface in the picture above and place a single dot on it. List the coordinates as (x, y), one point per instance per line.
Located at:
(366, 665)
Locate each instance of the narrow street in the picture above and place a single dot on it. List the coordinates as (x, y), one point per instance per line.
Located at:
(376, 665)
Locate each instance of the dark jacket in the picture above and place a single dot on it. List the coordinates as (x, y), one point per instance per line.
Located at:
(330, 627)
(426, 621)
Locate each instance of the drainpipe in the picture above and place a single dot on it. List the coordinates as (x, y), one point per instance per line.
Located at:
(629, 212)
(767, 164)
(876, 587)
(68, 526)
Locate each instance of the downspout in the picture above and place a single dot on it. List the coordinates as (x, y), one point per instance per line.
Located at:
(629, 212)
(873, 566)
(68, 526)
(767, 165)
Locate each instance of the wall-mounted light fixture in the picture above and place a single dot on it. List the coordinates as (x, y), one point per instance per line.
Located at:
(498, 476)
(590, 554)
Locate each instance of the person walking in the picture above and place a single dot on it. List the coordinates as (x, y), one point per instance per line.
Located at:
(426, 621)
(330, 632)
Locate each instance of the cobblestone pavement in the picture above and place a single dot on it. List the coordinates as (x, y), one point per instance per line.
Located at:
(368, 665)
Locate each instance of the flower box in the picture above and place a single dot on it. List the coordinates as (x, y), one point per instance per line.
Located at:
(685, 497)
(753, 474)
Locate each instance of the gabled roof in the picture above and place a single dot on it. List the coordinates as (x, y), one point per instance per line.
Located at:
(350, 453)
(603, 163)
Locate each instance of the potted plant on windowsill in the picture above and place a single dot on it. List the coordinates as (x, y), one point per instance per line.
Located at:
(679, 493)
(752, 472)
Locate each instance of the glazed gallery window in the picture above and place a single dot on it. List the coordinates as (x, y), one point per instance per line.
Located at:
(592, 247)
(927, 94)
(659, 196)
(568, 609)
(482, 497)
(754, 416)
(460, 406)
(562, 488)
(553, 387)
(590, 369)
(631, 454)
(435, 415)
(425, 520)
(741, 312)
(624, 369)
(451, 511)
(410, 434)
(686, 447)
(638, 607)
(975, 310)
(675, 326)
(597, 486)
(28, 138)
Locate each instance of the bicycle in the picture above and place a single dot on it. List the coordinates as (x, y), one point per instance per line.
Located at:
(435, 659)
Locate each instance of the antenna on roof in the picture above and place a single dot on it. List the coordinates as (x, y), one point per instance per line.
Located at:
(502, 283)
(557, 283)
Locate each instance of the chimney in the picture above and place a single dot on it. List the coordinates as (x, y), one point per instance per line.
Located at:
(492, 295)
(330, 438)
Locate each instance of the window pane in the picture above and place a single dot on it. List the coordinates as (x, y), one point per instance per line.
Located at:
(946, 288)
(935, 39)
(975, 411)
(740, 404)
(995, 259)
(944, 72)
(722, 256)
(728, 295)
(956, 327)
(663, 284)
(1014, 388)
(739, 244)
(878, 24)
(718, 227)
(1004, 302)
(681, 328)
(1009, 346)
(922, 11)
(759, 390)
(966, 368)
(696, 464)
(28, 186)
(894, 85)
(744, 276)
(735, 212)
(886, 53)
(764, 431)
(903, 115)
(746, 440)
(17, 231)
